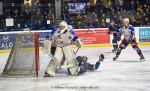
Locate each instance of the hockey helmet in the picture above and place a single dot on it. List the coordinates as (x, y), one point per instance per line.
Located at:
(63, 24)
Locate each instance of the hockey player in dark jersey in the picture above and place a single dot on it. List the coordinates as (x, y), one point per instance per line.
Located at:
(129, 38)
(115, 30)
(85, 66)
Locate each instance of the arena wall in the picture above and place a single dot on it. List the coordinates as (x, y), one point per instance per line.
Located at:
(93, 37)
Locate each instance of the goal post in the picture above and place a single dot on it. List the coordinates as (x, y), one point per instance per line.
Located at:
(23, 59)
(36, 45)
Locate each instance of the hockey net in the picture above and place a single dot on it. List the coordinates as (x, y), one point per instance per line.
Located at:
(24, 56)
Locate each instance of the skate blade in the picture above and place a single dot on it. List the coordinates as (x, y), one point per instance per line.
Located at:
(48, 75)
(142, 60)
(114, 51)
(114, 59)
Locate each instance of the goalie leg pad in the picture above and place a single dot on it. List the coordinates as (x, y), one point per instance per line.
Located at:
(51, 69)
(46, 45)
(53, 64)
(71, 60)
(74, 70)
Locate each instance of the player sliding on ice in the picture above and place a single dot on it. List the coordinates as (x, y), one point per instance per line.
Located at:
(85, 66)
(129, 37)
(61, 40)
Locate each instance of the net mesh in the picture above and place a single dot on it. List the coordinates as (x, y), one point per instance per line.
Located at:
(21, 61)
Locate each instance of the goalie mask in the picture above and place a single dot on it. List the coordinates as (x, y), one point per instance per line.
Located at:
(63, 26)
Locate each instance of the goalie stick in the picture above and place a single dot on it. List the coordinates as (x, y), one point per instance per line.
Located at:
(77, 50)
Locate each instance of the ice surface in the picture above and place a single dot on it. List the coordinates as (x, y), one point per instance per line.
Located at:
(128, 73)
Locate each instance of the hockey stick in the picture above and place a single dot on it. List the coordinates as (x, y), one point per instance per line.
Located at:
(77, 50)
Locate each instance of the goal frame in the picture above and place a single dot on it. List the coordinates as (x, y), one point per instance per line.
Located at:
(36, 45)
(36, 55)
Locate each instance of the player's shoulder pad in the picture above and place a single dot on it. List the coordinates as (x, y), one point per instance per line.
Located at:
(131, 28)
(54, 30)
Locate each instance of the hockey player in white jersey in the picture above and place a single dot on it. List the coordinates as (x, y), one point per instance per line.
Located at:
(129, 37)
(62, 39)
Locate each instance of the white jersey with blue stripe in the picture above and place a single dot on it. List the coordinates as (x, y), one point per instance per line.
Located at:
(63, 39)
(128, 32)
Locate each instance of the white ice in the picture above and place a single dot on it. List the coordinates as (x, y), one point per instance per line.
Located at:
(128, 73)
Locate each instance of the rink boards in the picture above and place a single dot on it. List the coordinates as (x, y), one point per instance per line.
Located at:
(93, 37)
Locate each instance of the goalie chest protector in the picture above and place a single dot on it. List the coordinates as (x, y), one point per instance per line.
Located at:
(62, 39)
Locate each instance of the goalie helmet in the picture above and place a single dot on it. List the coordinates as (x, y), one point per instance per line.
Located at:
(64, 25)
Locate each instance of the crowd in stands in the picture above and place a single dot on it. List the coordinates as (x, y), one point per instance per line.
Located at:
(96, 15)
(35, 17)
(100, 14)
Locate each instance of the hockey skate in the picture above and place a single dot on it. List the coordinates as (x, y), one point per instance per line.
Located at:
(51, 69)
(115, 58)
(97, 65)
(114, 50)
(142, 59)
(101, 59)
(47, 75)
